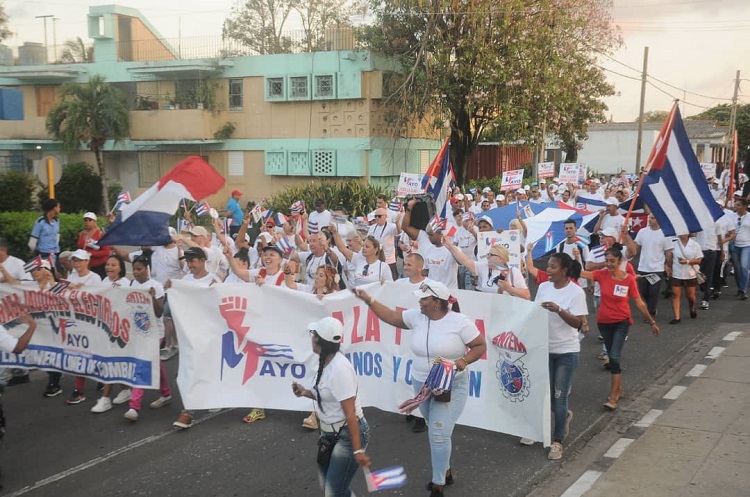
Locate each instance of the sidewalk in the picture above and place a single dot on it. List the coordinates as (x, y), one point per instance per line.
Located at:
(696, 440)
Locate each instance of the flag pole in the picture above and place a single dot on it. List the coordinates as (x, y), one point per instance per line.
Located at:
(651, 157)
(733, 165)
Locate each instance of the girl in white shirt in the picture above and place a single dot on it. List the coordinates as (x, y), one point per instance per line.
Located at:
(115, 271)
(370, 263)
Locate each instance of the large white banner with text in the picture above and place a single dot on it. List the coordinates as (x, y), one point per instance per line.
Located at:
(244, 345)
(106, 334)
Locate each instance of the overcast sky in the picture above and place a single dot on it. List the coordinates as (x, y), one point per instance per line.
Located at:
(694, 45)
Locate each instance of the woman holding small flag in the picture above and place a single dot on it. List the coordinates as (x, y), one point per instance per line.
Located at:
(88, 239)
(438, 331)
(370, 262)
(344, 432)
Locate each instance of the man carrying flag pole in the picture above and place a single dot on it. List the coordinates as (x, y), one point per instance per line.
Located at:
(438, 178)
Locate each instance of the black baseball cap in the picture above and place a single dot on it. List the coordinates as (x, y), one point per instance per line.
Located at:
(194, 253)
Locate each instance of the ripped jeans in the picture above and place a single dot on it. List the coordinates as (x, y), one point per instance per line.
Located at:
(441, 418)
(562, 371)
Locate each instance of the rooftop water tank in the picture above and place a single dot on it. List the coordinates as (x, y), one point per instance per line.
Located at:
(32, 54)
(6, 56)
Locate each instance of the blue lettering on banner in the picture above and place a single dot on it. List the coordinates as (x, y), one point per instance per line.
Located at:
(78, 341)
(228, 355)
(396, 365)
(366, 363)
(407, 375)
(475, 383)
(272, 368)
(130, 370)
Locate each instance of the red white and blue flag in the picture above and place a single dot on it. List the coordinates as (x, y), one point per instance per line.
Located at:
(123, 198)
(387, 478)
(674, 187)
(285, 246)
(441, 224)
(598, 251)
(226, 224)
(438, 179)
(145, 221)
(202, 209)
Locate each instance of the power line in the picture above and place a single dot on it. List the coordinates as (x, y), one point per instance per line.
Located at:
(677, 98)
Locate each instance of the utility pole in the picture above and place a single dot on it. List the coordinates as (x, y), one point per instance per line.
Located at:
(54, 35)
(46, 49)
(639, 145)
(733, 117)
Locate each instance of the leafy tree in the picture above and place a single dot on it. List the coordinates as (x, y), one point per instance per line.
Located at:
(91, 113)
(17, 189)
(317, 16)
(520, 68)
(653, 116)
(258, 25)
(79, 188)
(721, 114)
(5, 32)
(76, 52)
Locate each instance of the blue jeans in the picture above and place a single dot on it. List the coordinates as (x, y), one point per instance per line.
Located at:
(614, 338)
(441, 418)
(562, 371)
(741, 261)
(336, 479)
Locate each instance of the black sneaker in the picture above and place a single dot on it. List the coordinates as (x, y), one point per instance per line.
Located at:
(52, 391)
(419, 425)
(75, 398)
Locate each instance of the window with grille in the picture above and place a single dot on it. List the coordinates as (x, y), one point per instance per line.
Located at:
(299, 87)
(275, 89)
(324, 86)
(324, 163)
(235, 94)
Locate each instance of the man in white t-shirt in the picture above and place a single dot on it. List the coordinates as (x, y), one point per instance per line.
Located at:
(216, 263)
(440, 263)
(610, 217)
(385, 232)
(590, 193)
(12, 265)
(653, 245)
(413, 271)
(319, 218)
(574, 247)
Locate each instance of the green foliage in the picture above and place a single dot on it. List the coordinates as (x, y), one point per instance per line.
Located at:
(17, 189)
(91, 113)
(16, 228)
(79, 189)
(225, 132)
(721, 114)
(653, 116)
(113, 191)
(357, 198)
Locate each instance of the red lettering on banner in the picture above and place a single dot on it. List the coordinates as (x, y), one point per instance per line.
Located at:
(340, 316)
(355, 337)
(480, 326)
(125, 333)
(399, 330)
(372, 333)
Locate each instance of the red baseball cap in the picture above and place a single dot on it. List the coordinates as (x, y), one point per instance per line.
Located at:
(237, 192)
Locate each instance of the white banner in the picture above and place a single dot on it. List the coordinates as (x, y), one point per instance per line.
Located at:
(510, 239)
(409, 184)
(709, 169)
(568, 172)
(106, 334)
(244, 345)
(545, 170)
(512, 180)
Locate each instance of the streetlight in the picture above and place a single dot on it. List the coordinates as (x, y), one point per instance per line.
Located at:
(46, 51)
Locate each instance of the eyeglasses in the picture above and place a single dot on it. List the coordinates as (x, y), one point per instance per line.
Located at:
(378, 216)
(424, 287)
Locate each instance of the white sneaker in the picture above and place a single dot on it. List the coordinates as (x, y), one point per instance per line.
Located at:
(527, 441)
(160, 402)
(103, 404)
(555, 451)
(122, 397)
(168, 352)
(131, 415)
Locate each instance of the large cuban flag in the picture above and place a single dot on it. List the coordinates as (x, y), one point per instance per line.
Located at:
(675, 188)
(145, 221)
(438, 179)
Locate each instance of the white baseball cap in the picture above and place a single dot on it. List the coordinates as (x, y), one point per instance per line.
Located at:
(90, 215)
(486, 189)
(608, 232)
(329, 329)
(500, 197)
(433, 289)
(80, 254)
(611, 201)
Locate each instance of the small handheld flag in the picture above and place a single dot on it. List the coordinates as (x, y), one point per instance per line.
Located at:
(298, 208)
(387, 478)
(598, 251)
(58, 287)
(285, 246)
(227, 224)
(33, 264)
(201, 209)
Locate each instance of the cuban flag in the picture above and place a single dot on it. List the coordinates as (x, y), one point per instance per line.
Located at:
(33, 264)
(675, 187)
(439, 178)
(387, 478)
(441, 224)
(280, 218)
(145, 221)
(202, 209)
(285, 246)
(440, 377)
(395, 206)
(226, 224)
(268, 215)
(183, 225)
(58, 287)
(598, 251)
(298, 208)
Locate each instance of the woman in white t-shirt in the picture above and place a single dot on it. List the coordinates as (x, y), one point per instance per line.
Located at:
(115, 271)
(437, 331)
(686, 256)
(493, 273)
(342, 422)
(370, 263)
(567, 303)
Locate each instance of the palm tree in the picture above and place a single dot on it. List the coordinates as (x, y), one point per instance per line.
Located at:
(76, 52)
(90, 113)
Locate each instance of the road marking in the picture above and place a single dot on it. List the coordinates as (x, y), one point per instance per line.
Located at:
(675, 392)
(732, 336)
(649, 418)
(582, 484)
(715, 352)
(98, 460)
(697, 370)
(618, 448)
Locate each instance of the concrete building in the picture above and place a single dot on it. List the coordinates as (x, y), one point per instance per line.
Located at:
(611, 147)
(264, 122)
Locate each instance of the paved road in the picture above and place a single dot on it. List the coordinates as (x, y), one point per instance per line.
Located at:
(52, 449)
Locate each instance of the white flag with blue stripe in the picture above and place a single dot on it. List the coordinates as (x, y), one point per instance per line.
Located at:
(438, 179)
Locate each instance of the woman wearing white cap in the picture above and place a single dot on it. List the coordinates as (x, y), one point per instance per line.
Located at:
(437, 331)
(343, 428)
(88, 239)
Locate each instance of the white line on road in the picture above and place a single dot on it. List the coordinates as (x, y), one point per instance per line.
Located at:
(730, 337)
(582, 484)
(649, 418)
(618, 448)
(715, 352)
(697, 370)
(675, 392)
(98, 460)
